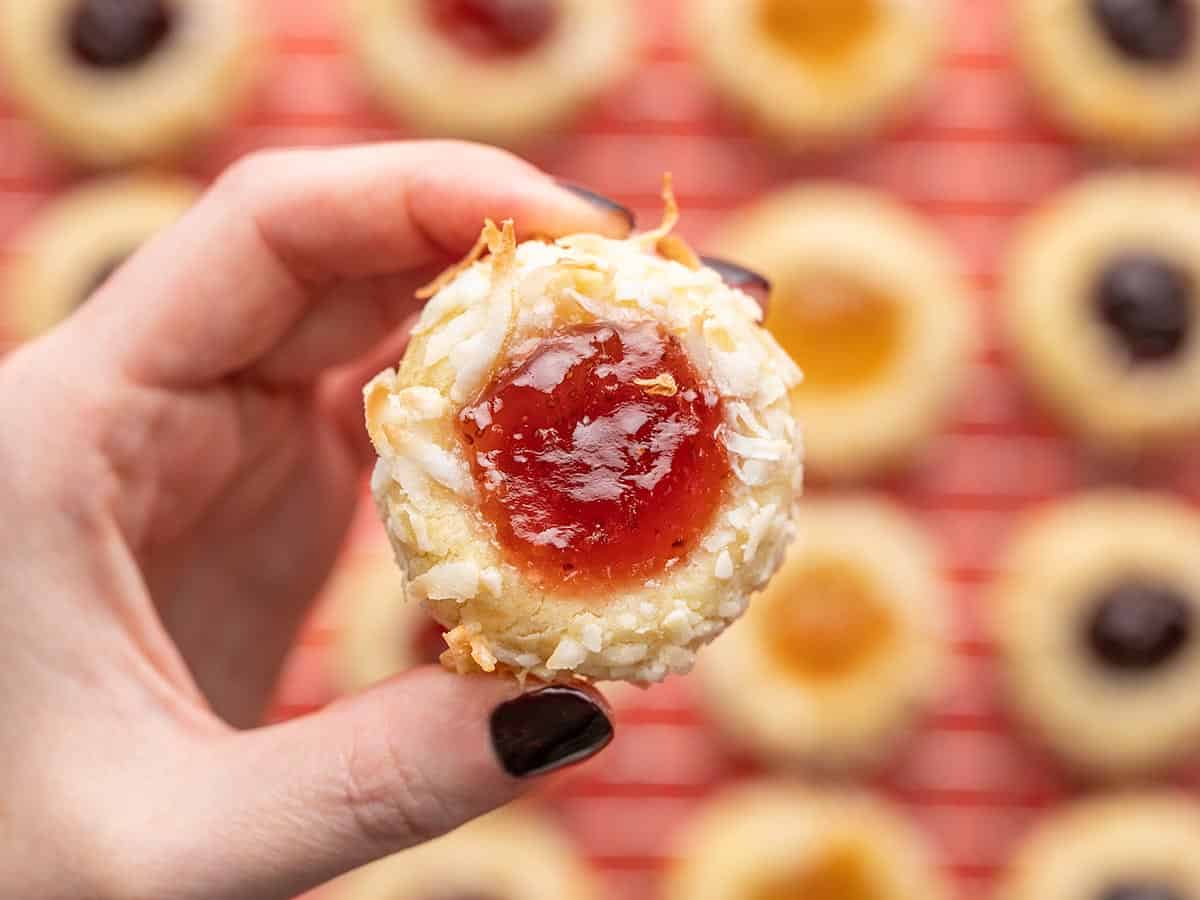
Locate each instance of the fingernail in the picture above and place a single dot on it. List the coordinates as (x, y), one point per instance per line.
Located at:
(548, 729)
(737, 276)
(601, 202)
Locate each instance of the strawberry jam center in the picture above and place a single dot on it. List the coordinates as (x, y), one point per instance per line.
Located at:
(596, 455)
(491, 28)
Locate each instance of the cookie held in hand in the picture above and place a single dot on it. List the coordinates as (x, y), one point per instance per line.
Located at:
(587, 458)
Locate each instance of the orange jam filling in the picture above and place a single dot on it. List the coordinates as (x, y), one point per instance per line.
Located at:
(596, 454)
(494, 28)
(839, 874)
(819, 33)
(823, 620)
(843, 336)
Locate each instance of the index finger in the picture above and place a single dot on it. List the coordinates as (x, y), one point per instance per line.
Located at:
(280, 230)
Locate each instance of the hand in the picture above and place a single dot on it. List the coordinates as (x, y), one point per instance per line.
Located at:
(180, 461)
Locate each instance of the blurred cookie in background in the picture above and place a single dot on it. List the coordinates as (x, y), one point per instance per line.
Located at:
(1103, 306)
(114, 82)
(1126, 846)
(1097, 623)
(1125, 73)
(492, 70)
(80, 238)
(835, 659)
(382, 632)
(777, 841)
(818, 71)
(871, 304)
(511, 854)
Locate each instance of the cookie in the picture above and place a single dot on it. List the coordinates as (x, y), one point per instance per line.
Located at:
(872, 306)
(1097, 613)
(119, 81)
(1126, 846)
(80, 238)
(1124, 73)
(1103, 309)
(491, 70)
(774, 840)
(587, 458)
(506, 855)
(818, 71)
(844, 647)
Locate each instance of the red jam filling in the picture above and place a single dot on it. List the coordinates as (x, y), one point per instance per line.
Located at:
(596, 455)
(491, 28)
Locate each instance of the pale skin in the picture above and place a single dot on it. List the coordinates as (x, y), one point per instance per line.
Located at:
(180, 462)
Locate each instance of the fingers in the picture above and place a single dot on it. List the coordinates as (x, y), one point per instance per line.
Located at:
(279, 233)
(302, 802)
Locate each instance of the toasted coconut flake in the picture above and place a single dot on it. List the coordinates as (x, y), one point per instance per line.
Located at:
(673, 247)
(500, 242)
(467, 652)
(670, 214)
(661, 385)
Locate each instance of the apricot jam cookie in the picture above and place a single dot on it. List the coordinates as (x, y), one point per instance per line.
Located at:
(380, 635)
(1122, 72)
(779, 841)
(871, 305)
(588, 459)
(818, 71)
(1104, 311)
(512, 854)
(116, 81)
(494, 70)
(80, 238)
(1125, 846)
(1097, 613)
(843, 648)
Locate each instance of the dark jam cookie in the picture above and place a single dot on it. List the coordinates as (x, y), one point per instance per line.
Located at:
(1147, 302)
(1094, 619)
(1148, 31)
(113, 34)
(1139, 625)
(1126, 845)
(119, 82)
(72, 247)
(1101, 307)
(1125, 73)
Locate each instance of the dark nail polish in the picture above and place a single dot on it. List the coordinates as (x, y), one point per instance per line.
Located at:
(602, 202)
(737, 276)
(547, 729)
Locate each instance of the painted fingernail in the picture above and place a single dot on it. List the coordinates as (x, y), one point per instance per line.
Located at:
(601, 202)
(737, 276)
(548, 729)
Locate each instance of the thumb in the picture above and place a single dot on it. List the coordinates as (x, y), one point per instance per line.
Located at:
(302, 802)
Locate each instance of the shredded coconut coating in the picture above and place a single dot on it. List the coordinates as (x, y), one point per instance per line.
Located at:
(497, 308)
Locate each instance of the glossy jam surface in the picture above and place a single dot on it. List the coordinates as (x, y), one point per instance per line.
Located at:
(823, 620)
(494, 28)
(843, 336)
(113, 34)
(1150, 32)
(819, 33)
(596, 454)
(1146, 302)
(1139, 625)
(839, 874)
